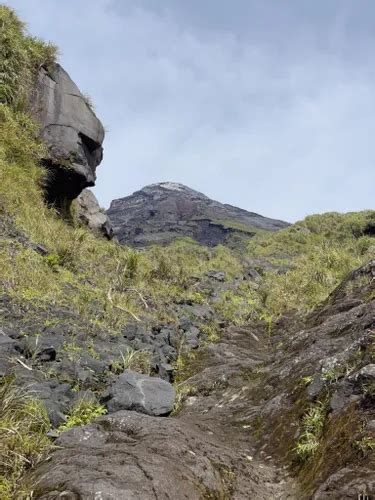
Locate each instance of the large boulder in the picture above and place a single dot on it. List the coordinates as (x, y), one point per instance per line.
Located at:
(89, 213)
(70, 130)
(135, 391)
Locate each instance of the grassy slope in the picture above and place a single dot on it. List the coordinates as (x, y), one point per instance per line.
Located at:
(108, 285)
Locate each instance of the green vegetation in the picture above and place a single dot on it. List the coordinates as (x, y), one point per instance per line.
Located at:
(300, 266)
(183, 391)
(139, 361)
(82, 413)
(238, 226)
(311, 431)
(366, 445)
(369, 389)
(23, 441)
(21, 56)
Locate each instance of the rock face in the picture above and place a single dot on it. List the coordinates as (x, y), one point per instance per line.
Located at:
(70, 130)
(146, 458)
(160, 213)
(89, 213)
(134, 391)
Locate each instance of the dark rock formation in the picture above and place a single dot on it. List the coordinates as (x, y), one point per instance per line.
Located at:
(134, 391)
(160, 213)
(70, 130)
(130, 456)
(89, 213)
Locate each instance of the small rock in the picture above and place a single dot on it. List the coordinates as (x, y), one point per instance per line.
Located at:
(216, 275)
(315, 388)
(343, 396)
(166, 371)
(138, 392)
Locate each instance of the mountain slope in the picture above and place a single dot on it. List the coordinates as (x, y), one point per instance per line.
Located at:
(160, 213)
(269, 352)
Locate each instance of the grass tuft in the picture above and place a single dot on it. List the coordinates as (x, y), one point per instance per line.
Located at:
(23, 441)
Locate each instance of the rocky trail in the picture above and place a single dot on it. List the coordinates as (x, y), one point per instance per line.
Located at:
(209, 450)
(236, 433)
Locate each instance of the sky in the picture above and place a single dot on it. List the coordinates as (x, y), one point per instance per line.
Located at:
(268, 105)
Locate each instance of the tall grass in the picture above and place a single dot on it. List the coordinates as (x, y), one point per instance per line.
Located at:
(23, 441)
(21, 56)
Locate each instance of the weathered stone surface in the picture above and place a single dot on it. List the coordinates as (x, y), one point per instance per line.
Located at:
(134, 391)
(130, 456)
(160, 213)
(89, 213)
(71, 131)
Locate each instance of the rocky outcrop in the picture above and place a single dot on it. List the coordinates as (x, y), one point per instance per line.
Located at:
(160, 213)
(71, 131)
(89, 213)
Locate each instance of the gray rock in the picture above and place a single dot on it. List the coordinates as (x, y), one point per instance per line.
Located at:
(343, 396)
(366, 374)
(315, 388)
(371, 426)
(134, 391)
(90, 214)
(166, 371)
(199, 311)
(71, 131)
(56, 397)
(8, 347)
(216, 275)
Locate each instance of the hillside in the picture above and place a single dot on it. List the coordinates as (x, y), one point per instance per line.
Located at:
(180, 370)
(160, 213)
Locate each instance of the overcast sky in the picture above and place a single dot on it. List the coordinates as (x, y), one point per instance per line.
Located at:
(265, 104)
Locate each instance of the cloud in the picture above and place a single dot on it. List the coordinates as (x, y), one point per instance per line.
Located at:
(255, 105)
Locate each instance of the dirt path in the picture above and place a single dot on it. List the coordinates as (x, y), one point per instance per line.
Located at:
(226, 404)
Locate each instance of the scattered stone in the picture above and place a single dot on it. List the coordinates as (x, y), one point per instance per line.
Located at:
(138, 392)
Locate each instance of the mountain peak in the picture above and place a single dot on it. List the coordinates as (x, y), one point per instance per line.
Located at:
(161, 212)
(174, 188)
